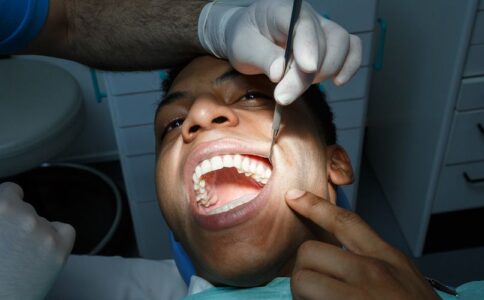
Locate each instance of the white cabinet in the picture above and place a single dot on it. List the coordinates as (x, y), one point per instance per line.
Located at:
(424, 139)
(133, 98)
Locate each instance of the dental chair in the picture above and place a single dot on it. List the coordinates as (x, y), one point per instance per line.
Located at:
(41, 113)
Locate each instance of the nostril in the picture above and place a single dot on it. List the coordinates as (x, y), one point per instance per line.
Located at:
(194, 128)
(220, 120)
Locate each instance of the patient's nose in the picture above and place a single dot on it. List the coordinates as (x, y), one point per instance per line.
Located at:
(207, 113)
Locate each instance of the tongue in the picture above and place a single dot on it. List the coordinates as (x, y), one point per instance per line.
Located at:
(226, 185)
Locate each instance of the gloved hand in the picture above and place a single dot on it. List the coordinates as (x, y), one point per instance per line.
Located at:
(253, 34)
(32, 249)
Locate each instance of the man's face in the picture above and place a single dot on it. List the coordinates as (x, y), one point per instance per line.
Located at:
(218, 191)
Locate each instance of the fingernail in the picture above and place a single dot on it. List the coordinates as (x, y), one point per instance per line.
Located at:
(294, 194)
(339, 81)
(309, 65)
(284, 99)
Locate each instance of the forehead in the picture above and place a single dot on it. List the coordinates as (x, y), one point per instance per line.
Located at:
(201, 71)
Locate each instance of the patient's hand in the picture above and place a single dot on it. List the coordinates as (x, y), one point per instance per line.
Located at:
(369, 268)
(32, 249)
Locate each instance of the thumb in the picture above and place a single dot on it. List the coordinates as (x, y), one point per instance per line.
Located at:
(10, 190)
(66, 235)
(304, 203)
(293, 85)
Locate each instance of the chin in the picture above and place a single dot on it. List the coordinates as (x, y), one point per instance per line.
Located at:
(245, 273)
(250, 263)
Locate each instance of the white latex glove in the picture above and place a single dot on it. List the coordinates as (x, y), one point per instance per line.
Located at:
(32, 249)
(253, 34)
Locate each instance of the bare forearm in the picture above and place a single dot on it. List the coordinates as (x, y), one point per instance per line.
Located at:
(123, 34)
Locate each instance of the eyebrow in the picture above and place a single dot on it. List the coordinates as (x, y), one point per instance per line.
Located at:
(173, 97)
(230, 74)
(170, 98)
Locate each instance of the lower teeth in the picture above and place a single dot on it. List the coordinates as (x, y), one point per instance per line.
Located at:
(233, 204)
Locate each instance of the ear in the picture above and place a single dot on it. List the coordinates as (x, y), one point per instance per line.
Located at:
(339, 168)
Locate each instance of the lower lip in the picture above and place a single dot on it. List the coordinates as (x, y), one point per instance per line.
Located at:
(233, 217)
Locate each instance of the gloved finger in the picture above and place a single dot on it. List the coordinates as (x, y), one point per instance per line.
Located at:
(260, 56)
(66, 235)
(10, 190)
(352, 63)
(337, 46)
(309, 41)
(292, 85)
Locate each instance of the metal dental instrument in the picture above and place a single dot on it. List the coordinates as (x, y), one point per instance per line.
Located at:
(276, 121)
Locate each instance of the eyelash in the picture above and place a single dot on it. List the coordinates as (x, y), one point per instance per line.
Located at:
(255, 95)
(177, 122)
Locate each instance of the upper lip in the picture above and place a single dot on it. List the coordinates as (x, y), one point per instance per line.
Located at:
(206, 150)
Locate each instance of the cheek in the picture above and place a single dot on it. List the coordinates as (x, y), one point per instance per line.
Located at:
(304, 153)
(170, 191)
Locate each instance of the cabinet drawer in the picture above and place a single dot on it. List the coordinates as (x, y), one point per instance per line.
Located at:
(471, 94)
(139, 176)
(478, 31)
(466, 140)
(137, 109)
(151, 231)
(136, 140)
(356, 88)
(348, 114)
(120, 83)
(475, 61)
(454, 192)
(354, 15)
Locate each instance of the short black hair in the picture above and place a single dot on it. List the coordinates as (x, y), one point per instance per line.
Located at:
(314, 98)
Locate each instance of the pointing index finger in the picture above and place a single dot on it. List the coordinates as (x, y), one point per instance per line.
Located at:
(346, 226)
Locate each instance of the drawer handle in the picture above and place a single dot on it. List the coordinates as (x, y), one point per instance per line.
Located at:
(481, 128)
(472, 180)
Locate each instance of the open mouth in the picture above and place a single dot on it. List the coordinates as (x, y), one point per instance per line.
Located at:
(224, 182)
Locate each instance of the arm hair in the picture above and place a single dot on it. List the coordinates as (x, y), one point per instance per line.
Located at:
(121, 34)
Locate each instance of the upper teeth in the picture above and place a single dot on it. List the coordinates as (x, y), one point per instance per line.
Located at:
(250, 167)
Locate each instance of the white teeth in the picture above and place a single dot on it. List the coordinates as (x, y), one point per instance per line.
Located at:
(243, 164)
(217, 163)
(228, 161)
(238, 161)
(246, 164)
(232, 204)
(206, 167)
(198, 171)
(253, 167)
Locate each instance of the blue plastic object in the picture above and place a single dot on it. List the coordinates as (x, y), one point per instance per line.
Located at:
(184, 263)
(20, 22)
(378, 64)
(182, 260)
(163, 75)
(95, 84)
